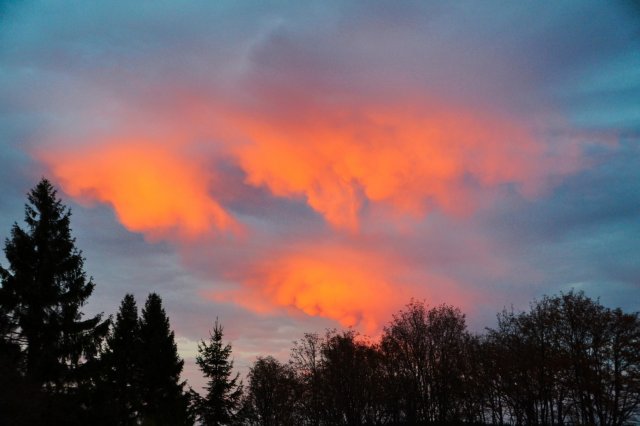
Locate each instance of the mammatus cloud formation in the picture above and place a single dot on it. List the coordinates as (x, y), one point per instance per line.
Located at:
(338, 158)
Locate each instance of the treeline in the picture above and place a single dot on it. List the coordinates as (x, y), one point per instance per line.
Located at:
(567, 360)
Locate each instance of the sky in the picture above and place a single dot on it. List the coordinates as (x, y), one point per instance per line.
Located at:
(289, 167)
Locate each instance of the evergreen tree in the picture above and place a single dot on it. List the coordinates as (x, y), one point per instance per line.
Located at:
(164, 401)
(220, 405)
(122, 364)
(42, 293)
(20, 400)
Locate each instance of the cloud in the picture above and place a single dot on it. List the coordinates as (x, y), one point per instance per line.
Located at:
(412, 158)
(153, 189)
(350, 287)
(370, 152)
(176, 132)
(351, 163)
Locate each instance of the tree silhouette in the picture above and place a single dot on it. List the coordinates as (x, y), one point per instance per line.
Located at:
(568, 360)
(43, 291)
(307, 362)
(20, 400)
(405, 345)
(351, 369)
(164, 401)
(222, 400)
(122, 365)
(428, 348)
(272, 393)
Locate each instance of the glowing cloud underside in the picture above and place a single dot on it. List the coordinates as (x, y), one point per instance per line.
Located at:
(407, 158)
(152, 188)
(353, 288)
(412, 160)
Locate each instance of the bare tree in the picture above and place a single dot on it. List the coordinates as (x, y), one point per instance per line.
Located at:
(272, 393)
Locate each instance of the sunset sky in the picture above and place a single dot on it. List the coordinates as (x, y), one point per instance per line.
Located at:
(293, 166)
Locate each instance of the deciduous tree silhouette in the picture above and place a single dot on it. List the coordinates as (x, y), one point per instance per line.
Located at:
(351, 373)
(307, 362)
(568, 360)
(429, 350)
(224, 391)
(272, 394)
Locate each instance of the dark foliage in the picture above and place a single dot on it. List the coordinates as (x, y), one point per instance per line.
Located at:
(223, 391)
(46, 342)
(350, 378)
(272, 394)
(164, 401)
(122, 366)
(569, 360)
(307, 363)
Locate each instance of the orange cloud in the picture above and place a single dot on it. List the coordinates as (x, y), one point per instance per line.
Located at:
(351, 287)
(411, 158)
(153, 187)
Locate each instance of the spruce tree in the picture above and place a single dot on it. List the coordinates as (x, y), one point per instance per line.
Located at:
(20, 400)
(222, 400)
(122, 364)
(164, 401)
(43, 291)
